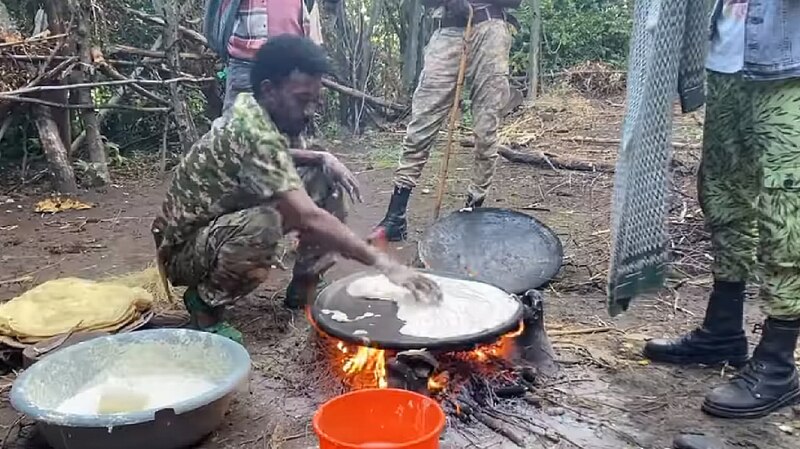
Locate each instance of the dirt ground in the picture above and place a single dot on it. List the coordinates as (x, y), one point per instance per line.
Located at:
(609, 397)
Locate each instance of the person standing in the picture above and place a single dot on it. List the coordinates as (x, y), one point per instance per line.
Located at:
(487, 71)
(749, 190)
(236, 29)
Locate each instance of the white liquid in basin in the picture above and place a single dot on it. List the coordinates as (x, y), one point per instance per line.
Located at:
(133, 394)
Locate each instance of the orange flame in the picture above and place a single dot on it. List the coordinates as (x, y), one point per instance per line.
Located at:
(365, 367)
(362, 359)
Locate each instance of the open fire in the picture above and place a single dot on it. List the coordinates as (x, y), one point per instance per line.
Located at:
(364, 367)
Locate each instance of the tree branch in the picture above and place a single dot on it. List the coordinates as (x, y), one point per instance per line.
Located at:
(17, 99)
(194, 35)
(111, 72)
(183, 79)
(374, 101)
(125, 49)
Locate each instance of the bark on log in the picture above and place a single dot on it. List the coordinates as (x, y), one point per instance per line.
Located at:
(57, 14)
(541, 159)
(55, 151)
(183, 120)
(99, 175)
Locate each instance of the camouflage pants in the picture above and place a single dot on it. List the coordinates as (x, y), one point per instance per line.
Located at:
(750, 186)
(487, 72)
(232, 256)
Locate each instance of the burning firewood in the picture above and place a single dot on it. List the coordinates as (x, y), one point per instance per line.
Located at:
(412, 370)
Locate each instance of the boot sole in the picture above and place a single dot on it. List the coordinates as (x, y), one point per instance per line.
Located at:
(736, 362)
(721, 412)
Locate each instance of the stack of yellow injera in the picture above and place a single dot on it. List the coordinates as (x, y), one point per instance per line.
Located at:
(71, 305)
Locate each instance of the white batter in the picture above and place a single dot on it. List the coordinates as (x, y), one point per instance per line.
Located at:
(133, 394)
(467, 308)
(338, 315)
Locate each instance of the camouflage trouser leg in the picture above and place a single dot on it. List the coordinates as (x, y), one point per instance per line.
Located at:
(232, 256)
(487, 70)
(750, 186)
(328, 196)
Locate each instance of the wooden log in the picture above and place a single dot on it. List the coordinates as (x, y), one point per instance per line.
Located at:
(99, 175)
(187, 132)
(54, 151)
(542, 159)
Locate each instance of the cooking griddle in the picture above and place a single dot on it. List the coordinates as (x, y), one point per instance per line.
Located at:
(383, 331)
(502, 247)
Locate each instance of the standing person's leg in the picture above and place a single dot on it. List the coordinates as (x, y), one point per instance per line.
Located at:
(237, 80)
(728, 189)
(433, 98)
(225, 261)
(770, 380)
(488, 66)
(306, 275)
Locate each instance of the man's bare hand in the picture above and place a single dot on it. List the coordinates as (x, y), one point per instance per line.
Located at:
(342, 175)
(424, 289)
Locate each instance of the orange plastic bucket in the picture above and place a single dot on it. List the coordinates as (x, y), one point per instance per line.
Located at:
(379, 419)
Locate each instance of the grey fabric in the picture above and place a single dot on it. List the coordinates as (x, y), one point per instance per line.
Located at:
(237, 80)
(667, 55)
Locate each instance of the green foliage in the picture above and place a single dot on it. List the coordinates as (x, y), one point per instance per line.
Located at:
(575, 31)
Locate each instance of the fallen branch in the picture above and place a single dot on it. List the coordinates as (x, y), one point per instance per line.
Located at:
(497, 426)
(547, 160)
(52, 104)
(374, 101)
(590, 330)
(125, 49)
(580, 139)
(141, 82)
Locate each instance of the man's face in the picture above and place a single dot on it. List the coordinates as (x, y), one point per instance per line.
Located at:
(291, 104)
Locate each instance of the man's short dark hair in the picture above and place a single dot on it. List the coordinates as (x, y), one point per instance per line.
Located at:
(282, 55)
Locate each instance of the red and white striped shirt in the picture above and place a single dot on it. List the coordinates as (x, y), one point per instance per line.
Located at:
(260, 19)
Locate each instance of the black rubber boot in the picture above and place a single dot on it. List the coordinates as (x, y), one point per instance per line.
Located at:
(720, 340)
(394, 224)
(768, 382)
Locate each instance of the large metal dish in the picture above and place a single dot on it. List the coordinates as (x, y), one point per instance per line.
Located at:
(383, 326)
(45, 385)
(502, 247)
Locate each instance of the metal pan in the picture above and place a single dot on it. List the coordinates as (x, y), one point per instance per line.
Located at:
(502, 247)
(383, 331)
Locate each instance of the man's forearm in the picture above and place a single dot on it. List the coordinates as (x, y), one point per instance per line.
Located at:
(306, 157)
(326, 231)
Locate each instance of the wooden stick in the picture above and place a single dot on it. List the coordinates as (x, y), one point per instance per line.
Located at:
(33, 41)
(126, 49)
(17, 99)
(590, 330)
(111, 72)
(374, 101)
(160, 21)
(454, 114)
(681, 145)
(142, 82)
